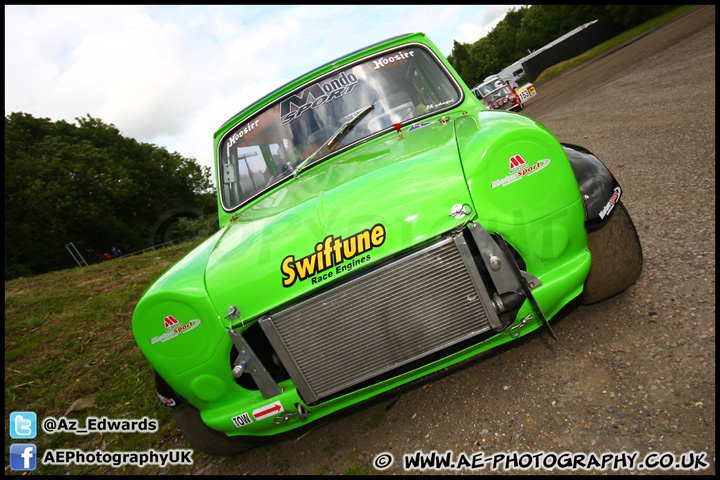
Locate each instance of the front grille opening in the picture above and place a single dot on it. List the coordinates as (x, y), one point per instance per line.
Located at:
(394, 317)
(410, 366)
(262, 348)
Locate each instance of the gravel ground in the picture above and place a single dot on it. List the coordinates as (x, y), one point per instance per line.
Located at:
(635, 373)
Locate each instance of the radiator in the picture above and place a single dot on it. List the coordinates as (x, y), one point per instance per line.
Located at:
(390, 316)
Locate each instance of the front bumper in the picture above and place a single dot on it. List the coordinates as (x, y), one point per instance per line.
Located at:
(372, 345)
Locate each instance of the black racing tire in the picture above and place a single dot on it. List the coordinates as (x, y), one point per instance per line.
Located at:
(208, 440)
(616, 257)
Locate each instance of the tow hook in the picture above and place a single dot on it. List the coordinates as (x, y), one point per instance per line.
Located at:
(515, 331)
(301, 412)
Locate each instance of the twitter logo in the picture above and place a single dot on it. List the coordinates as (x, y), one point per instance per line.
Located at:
(23, 425)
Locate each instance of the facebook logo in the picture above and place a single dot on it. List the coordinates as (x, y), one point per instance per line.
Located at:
(23, 425)
(23, 456)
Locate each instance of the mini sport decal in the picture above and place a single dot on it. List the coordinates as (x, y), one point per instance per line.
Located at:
(520, 169)
(611, 203)
(173, 328)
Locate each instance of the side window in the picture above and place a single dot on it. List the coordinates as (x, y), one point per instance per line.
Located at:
(432, 84)
(251, 169)
(280, 158)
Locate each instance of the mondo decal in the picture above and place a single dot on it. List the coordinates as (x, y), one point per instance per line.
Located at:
(520, 169)
(173, 328)
(316, 95)
(332, 252)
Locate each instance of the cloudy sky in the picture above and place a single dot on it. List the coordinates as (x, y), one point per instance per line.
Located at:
(172, 75)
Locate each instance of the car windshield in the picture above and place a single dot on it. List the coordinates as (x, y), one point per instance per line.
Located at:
(498, 94)
(400, 85)
(486, 88)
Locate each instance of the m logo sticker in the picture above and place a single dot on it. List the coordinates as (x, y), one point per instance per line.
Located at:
(170, 322)
(516, 163)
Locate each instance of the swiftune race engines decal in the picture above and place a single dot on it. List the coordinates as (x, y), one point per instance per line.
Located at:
(332, 252)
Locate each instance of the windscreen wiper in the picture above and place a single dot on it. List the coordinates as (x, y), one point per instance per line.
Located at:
(335, 137)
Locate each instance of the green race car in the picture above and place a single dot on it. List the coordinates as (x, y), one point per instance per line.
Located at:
(377, 224)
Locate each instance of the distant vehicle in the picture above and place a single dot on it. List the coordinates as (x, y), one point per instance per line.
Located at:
(522, 85)
(496, 94)
(491, 83)
(526, 92)
(515, 76)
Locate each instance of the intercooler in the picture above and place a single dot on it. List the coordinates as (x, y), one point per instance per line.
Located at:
(407, 309)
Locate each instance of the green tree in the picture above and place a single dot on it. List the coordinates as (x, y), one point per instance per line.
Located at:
(485, 60)
(459, 58)
(633, 15)
(89, 185)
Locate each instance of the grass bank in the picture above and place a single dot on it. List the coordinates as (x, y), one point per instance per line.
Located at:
(68, 337)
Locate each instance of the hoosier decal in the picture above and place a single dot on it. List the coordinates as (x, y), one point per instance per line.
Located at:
(241, 131)
(332, 252)
(400, 57)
